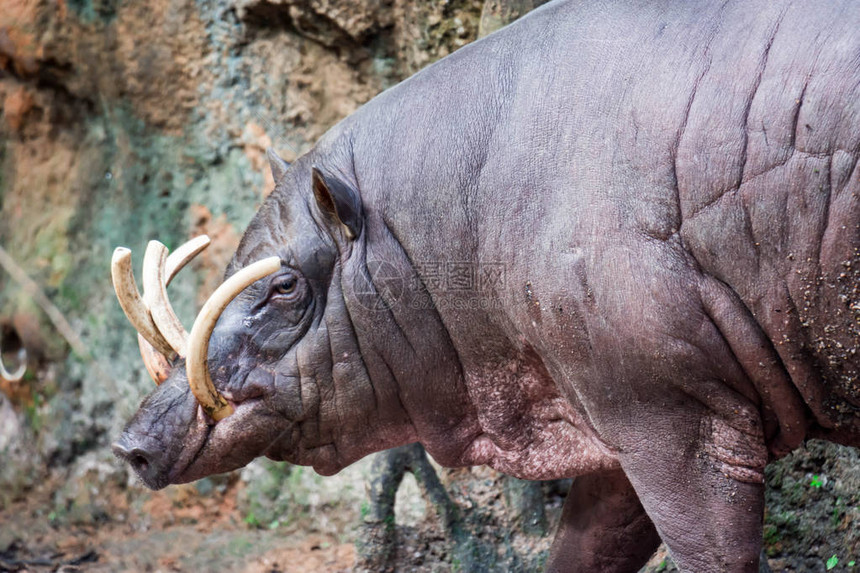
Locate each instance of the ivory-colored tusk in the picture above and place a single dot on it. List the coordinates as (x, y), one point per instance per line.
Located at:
(155, 362)
(183, 255)
(132, 303)
(19, 372)
(155, 350)
(155, 296)
(197, 363)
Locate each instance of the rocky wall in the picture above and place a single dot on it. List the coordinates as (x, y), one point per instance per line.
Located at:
(125, 121)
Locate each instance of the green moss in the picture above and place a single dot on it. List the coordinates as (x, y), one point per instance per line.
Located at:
(795, 491)
(771, 538)
(33, 416)
(90, 10)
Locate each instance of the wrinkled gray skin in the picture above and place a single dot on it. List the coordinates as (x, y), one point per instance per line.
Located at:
(671, 188)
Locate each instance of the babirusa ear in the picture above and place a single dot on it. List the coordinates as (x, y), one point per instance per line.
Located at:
(278, 165)
(339, 200)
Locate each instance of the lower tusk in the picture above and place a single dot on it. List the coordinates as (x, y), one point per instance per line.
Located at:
(156, 364)
(132, 303)
(197, 363)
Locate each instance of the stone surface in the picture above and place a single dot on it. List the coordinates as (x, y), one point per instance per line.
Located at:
(126, 121)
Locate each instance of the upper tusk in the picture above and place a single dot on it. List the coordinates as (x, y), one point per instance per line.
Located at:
(155, 349)
(181, 256)
(132, 303)
(197, 363)
(156, 364)
(155, 295)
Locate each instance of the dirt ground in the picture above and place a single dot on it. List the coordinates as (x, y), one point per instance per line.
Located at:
(184, 532)
(810, 524)
(179, 529)
(127, 529)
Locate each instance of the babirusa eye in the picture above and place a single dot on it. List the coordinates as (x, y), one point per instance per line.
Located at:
(285, 285)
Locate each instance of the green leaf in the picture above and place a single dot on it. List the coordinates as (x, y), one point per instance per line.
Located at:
(831, 563)
(251, 520)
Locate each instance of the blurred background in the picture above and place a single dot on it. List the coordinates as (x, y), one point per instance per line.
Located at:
(123, 121)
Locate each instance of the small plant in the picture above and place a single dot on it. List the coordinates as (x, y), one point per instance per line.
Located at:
(832, 562)
(252, 520)
(816, 482)
(837, 512)
(364, 510)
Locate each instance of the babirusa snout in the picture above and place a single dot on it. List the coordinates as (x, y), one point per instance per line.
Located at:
(196, 365)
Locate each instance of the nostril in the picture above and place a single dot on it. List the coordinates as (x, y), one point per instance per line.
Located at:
(139, 460)
(145, 459)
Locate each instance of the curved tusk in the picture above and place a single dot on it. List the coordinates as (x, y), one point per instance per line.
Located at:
(183, 255)
(155, 349)
(156, 364)
(132, 303)
(197, 363)
(155, 296)
(19, 372)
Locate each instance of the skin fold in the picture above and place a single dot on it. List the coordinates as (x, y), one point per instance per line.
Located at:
(614, 240)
